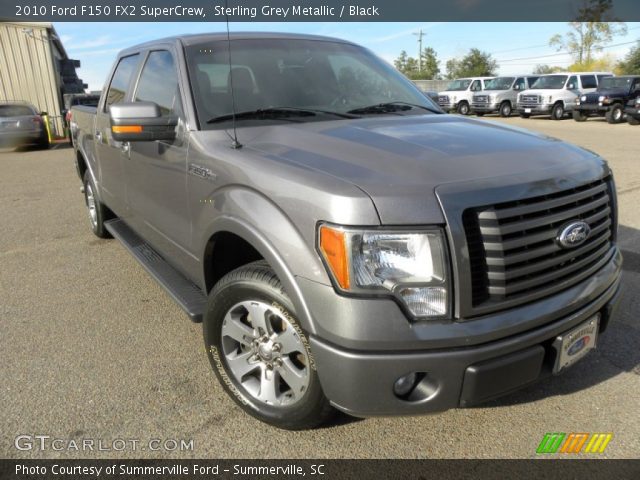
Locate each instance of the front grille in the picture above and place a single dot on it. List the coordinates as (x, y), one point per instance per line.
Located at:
(513, 251)
(443, 100)
(591, 98)
(530, 100)
(481, 99)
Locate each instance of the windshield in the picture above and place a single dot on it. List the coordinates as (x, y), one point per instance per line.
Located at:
(615, 83)
(458, 85)
(324, 77)
(551, 82)
(500, 83)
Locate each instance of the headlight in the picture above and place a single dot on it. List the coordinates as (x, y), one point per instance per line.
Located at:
(638, 101)
(602, 98)
(583, 98)
(408, 265)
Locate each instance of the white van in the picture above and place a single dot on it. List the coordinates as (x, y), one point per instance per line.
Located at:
(459, 94)
(555, 94)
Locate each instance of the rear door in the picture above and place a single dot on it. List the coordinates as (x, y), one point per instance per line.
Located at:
(157, 170)
(109, 152)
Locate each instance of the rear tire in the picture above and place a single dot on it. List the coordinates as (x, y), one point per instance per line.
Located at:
(505, 109)
(579, 116)
(557, 113)
(615, 115)
(633, 120)
(249, 315)
(96, 211)
(463, 108)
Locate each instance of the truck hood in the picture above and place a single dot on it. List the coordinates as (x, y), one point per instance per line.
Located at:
(453, 92)
(399, 161)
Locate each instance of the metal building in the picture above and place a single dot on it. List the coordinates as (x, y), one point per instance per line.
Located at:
(35, 68)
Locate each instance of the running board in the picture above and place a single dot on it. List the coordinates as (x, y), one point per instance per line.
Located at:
(183, 291)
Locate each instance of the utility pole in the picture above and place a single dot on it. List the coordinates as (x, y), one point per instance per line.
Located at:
(420, 34)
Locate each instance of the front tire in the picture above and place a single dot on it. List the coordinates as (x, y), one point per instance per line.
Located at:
(615, 115)
(558, 111)
(525, 115)
(259, 351)
(463, 108)
(505, 109)
(96, 211)
(579, 116)
(633, 120)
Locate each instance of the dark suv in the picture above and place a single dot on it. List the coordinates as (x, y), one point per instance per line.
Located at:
(609, 99)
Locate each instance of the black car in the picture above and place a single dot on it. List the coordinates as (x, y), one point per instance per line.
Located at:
(609, 99)
(633, 111)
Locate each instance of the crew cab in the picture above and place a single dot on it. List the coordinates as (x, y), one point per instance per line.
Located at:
(556, 94)
(500, 95)
(345, 244)
(609, 99)
(458, 95)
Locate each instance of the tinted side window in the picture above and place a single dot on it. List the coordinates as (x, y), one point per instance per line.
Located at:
(531, 80)
(572, 83)
(588, 81)
(519, 85)
(121, 79)
(476, 86)
(159, 83)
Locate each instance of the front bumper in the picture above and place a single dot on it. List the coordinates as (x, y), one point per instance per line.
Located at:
(485, 108)
(464, 370)
(20, 137)
(592, 108)
(541, 109)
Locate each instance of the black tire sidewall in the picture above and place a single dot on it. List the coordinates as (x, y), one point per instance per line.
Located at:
(299, 415)
(611, 114)
(503, 107)
(463, 108)
(556, 109)
(98, 229)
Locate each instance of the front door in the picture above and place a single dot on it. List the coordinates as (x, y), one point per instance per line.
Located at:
(156, 170)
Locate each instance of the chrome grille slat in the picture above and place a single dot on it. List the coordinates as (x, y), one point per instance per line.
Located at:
(513, 249)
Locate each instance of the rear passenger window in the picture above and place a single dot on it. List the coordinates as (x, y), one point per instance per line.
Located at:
(121, 79)
(588, 81)
(159, 83)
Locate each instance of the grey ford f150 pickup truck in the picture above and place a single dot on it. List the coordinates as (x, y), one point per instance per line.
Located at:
(345, 244)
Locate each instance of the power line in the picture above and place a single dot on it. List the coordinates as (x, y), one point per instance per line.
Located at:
(563, 53)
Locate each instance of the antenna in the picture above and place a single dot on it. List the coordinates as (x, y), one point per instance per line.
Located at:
(235, 143)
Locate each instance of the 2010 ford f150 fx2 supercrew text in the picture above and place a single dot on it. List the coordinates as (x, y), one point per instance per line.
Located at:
(346, 244)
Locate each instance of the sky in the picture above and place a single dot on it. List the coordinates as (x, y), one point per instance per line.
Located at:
(518, 47)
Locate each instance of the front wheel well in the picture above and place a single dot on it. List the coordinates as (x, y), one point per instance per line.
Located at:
(82, 164)
(225, 252)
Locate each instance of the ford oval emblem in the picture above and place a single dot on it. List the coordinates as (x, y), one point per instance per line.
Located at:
(574, 234)
(578, 345)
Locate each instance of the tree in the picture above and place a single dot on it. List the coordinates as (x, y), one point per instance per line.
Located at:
(430, 64)
(545, 69)
(401, 62)
(409, 65)
(475, 64)
(631, 63)
(591, 31)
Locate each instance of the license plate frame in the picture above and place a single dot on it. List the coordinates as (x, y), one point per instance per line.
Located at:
(575, 344)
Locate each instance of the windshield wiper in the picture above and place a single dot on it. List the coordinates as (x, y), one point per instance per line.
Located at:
(391, 107)
(277, 113)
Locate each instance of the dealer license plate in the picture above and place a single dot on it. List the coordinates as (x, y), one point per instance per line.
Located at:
(575, 344)
(527, 110)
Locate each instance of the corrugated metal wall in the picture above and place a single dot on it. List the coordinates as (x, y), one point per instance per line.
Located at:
(27, 69)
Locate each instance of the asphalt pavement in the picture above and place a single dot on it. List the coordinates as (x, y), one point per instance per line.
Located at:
(91, 348)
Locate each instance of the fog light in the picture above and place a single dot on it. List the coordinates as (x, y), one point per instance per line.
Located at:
(426, 301)
(405, 384)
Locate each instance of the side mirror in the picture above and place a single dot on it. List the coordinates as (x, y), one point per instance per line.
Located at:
(571, 86)
(516, 87)
(141, 121)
